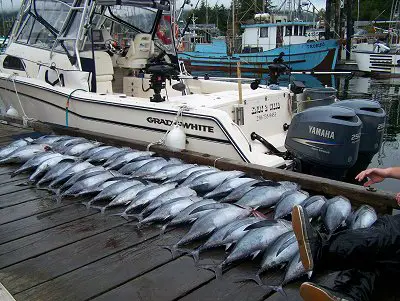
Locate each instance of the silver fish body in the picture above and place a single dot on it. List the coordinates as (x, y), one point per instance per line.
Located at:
(239, 192)
(280, 252)
(115, 189)
(288, 201)
(295, 270)
(169, 210)
(83, 174)
(363, 217)
(313, 205)
(46, 165)
(124, 151)
(129, 157)
(257, 240)
(146, 196)
(104, 154)
(184, 174)
(134, 166)
(24, 153)
(63, 144)
(227, 187)
(35, 161)
(151, 167)
(335, 211)
(208, 182)
(6, 150)
(265, 195)
(88, 182)
(168, 172)
(197, 174)
(125, 197)
(78, 149)
(212, 221)
(167, 196)
(70, 172)
(56, 171)
(90, 152)
(48, 139)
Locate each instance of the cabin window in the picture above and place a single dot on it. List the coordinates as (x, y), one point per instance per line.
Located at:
(263, 32)
(140, 18)
(53, 12)
(26, 31)
(12, 62)
(296, 30)
(288, 31)
(41, 36)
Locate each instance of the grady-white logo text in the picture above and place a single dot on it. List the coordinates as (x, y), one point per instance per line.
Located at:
(186, 125)
(321, 132)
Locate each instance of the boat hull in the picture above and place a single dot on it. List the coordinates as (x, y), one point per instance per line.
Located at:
(320, 55)
(378, 63)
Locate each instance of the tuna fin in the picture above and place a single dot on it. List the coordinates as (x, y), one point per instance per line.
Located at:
(196, 255)
(255, 254)
(122, 214)
(256, 278)
(217, 269)
(23, 184)
(163, 229)
(261, 224)
(309, 274)
(278, 289)
(266, 183)
(228, 245)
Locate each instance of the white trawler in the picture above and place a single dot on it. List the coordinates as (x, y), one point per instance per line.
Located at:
(99, 65)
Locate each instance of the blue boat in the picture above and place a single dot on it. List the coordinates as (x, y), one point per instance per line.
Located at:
(261, 43)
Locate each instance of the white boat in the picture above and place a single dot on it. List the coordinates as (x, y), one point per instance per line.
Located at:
(68, 63)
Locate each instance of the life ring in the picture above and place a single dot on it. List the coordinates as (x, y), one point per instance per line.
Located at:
(164, 28)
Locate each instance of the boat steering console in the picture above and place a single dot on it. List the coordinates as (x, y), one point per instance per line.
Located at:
(160, 71)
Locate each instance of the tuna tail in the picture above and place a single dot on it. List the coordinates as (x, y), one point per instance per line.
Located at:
(196, 255)
(278, 289)
(256, 278)
(127, 216)
(217, 269)
(163, 229)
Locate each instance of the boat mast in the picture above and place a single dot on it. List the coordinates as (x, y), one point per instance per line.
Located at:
(233, 26)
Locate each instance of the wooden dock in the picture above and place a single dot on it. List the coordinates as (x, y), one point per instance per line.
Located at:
(51, 251)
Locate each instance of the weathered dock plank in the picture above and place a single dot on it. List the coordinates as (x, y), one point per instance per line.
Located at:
(17, 197)
(36, 244)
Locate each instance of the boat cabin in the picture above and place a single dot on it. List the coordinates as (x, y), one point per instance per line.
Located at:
(260, 37)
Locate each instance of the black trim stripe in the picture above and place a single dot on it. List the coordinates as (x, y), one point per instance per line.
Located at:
(171, 112)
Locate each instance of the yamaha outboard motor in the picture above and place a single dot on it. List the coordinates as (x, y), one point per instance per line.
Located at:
(324, 141)
(373, 117)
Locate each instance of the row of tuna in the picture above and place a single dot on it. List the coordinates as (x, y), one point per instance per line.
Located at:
(222, 206)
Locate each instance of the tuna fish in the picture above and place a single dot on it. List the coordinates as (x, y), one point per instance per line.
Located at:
(208, 182)
(288, 201)
(227, 187)
(280, 252)
(46, 165)
(183, 175)
(83, 174)
(166, 197)
(169, 210)
(151, 167)
(90, 152)
(78, 149)
(104, 154)
(63, 144)
(168, 172)
(265, 194)
(6, 150)
(335, 212)
(226, 235)
(56, 171)
(130, 168)
(363, 217)
(143, 198)
(197, 174)
(240, 191)
(260, 236)
(123, 159)
(74, 169)
(211, 222)
(35, 161)
(124, 151)
(49, 139)
(313, 205)
(125, 197)
(24, 153)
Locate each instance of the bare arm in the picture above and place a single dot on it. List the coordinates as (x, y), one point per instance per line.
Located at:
(376, 175)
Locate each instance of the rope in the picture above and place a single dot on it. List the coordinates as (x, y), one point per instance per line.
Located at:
(67, 104)
(161, 141)
(25, 117)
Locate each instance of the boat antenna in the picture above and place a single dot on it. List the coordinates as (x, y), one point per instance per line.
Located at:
(191, 15)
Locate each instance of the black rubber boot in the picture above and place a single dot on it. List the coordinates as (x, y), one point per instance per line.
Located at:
(309, 240)
(312, 292)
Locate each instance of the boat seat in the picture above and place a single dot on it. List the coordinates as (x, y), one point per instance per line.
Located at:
(140, 50)
(104, 70)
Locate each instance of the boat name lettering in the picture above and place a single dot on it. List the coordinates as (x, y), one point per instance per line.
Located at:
(265, 108)
(316, 45)
(186, 125)
(321, 132)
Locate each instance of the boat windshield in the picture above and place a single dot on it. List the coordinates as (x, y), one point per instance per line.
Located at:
(142, 19)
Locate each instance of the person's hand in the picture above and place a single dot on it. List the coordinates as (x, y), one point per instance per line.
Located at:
(398, 198)
(375, 175)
